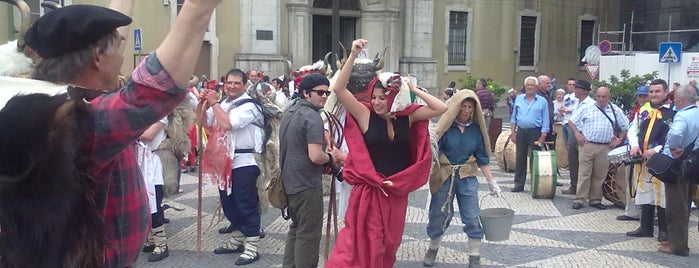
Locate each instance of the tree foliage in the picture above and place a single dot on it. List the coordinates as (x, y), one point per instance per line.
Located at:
(624, 88)
(496, 88)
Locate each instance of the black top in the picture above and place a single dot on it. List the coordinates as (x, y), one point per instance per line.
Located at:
(389, 157)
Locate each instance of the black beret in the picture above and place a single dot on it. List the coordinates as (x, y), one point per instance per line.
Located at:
(313, 80)
(71, 28)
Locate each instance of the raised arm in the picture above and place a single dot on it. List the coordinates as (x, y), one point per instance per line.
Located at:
(183, 43)
(125, 7)
(434, 106)
(352, 105)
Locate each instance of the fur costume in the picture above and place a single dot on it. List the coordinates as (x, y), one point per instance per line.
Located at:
(13, 61)
(441, 168)
(175, 146)
(47, 216)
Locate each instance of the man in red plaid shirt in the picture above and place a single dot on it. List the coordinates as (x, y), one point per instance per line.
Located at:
(81, 46)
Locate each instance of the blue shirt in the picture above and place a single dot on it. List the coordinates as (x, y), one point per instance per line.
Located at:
(458, 147)
(683, 130)
(531, 115)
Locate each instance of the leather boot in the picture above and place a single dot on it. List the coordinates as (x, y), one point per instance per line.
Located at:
(250, 254)
(646, 228)
(662, 225)
(160, 251)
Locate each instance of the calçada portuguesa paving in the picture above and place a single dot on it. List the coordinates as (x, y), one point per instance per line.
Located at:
(545, 233)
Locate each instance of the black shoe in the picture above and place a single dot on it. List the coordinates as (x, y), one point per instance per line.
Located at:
(225, 250)
(558, 184)
(430, 255)
(226, 230)
(155, 257)
(474, 261)
(577, 205)
(662, 236)
(148, 248)
(517, 189)
(262, 233)
(626, 218)
(166, 220)
(244, 261)
(639, 233)
(599, 206)
(570, 190)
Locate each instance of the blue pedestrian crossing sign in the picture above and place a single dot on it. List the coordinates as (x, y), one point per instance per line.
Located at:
(137, 40)
(670, 52)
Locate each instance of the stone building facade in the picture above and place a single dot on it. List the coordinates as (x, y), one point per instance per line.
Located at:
(437, 41)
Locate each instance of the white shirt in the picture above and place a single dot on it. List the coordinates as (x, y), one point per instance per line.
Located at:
(244, 134)
(570, 102)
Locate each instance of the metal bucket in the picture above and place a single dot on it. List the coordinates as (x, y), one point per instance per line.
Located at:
(497, 222)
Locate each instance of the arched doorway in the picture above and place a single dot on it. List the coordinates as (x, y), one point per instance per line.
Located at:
(350, 11)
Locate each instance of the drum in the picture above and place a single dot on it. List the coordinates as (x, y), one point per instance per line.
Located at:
(543, 174)
(505, 152)
(619, 155)
(614, 186)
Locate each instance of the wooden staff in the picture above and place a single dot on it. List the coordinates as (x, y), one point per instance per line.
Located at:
(201, 113)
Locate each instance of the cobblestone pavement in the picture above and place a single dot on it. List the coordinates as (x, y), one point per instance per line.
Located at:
(545, 233)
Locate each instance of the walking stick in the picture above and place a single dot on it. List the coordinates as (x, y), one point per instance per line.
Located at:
(201, 111)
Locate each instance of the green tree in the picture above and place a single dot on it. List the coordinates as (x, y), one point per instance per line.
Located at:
(624, 90)
(496, 88)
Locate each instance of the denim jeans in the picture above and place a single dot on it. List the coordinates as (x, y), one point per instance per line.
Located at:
(466, 192)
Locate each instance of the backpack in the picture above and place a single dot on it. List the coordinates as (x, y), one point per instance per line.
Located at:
(268, 111)
(269, 184)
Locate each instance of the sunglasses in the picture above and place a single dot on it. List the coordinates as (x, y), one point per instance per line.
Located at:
(321, 92)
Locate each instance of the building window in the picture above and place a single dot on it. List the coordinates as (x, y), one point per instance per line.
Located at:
(587, 31)
(458, 29)
(527, 41)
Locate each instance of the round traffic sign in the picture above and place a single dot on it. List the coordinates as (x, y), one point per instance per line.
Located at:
(605, 46)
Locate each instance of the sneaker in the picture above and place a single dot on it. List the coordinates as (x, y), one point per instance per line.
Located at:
(577, 205)
(430, 255)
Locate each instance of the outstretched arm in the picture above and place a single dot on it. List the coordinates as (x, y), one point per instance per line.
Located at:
(434, 106)
(353, 106)
(184, 41)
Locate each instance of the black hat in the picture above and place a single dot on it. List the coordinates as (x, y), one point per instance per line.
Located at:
(583, 84)
(71, 28)
(313, 80)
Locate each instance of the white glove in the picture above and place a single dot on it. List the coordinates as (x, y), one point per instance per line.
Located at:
(494, 188)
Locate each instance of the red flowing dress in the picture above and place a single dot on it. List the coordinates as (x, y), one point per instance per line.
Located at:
(376, 213)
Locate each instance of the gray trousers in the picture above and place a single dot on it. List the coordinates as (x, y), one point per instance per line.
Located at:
(303, 240)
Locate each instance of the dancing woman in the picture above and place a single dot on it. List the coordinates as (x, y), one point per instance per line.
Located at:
(389, 157)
